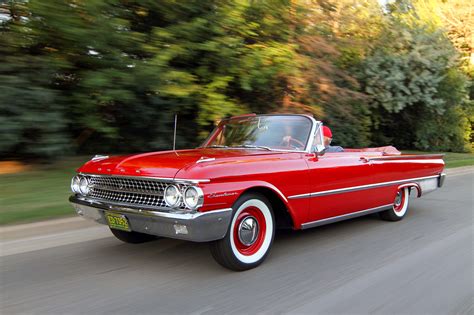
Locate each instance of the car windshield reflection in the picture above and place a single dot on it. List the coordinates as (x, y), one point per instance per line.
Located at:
(272, 132)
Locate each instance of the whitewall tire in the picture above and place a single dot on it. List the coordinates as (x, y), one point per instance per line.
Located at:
(250, 234)
(400, 206)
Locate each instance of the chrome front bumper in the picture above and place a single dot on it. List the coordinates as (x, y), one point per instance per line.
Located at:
(191, 226)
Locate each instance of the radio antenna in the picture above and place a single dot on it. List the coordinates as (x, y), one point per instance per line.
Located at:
(174, 136)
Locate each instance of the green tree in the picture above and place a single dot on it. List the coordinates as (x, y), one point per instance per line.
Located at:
(408, 77)
(109, 76)
(31, 120)
(119, 71)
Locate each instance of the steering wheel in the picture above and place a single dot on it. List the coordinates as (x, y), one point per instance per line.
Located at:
(292, 142)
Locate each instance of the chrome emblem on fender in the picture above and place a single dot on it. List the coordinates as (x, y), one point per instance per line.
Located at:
(223, 194)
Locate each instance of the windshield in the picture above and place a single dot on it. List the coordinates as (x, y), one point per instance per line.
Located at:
(262, 132)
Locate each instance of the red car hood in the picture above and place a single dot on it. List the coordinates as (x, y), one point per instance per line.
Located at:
(161, 164)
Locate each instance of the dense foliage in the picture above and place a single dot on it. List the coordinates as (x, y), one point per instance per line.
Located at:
(109, 76)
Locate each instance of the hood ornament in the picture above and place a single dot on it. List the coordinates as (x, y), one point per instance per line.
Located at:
(205, 159)
(99, 157)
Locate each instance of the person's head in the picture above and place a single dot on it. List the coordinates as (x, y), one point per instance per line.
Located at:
(327, 134)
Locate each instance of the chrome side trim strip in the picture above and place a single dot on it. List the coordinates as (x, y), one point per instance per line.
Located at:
(344, 217)
(438, 161)
(164, 179)
(356, 188)
(419, 157)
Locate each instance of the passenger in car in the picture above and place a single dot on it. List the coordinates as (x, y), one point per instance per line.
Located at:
(327, 141)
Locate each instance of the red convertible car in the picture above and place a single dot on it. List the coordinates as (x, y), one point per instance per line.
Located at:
(254, 173)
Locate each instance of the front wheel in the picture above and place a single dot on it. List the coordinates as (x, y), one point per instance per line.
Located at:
(250, 235)
(399, 208)
(132, 237)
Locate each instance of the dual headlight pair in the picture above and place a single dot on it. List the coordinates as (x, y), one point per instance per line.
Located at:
(80, 185)
(192, 196)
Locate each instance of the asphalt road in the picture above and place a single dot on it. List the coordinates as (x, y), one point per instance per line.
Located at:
(421, 265)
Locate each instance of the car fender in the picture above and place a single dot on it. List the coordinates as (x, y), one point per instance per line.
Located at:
(218, 195)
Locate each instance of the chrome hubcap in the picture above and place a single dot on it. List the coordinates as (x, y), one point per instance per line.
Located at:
(398, 199)
(248, 231)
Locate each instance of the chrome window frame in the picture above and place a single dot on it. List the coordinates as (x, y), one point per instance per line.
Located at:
(318, 126)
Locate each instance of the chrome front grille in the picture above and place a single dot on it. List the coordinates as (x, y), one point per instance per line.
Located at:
(147, 193)
(128, 198)
(128, 184)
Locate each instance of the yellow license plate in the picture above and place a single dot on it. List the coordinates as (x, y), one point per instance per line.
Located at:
(117, 221)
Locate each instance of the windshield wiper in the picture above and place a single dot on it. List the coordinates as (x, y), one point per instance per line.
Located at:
(253, 147)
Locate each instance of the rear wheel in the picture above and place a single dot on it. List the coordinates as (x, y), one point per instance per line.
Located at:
(132, 237)
(399, 208)
(250, 235)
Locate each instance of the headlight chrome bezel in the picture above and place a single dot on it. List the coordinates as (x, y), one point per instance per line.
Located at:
(178, 198)
(200, 197)
(75, 184)
(84, 185)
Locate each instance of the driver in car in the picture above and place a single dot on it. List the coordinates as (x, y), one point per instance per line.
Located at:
(327, 133)
(290, 140)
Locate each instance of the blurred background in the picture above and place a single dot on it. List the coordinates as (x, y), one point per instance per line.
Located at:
(84, 77)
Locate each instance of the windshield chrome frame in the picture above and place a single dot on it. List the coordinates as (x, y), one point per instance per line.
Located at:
(315, 124)
(319, 126)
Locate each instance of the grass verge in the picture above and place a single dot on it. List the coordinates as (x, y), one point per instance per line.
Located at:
(37, 194)
(42, 192)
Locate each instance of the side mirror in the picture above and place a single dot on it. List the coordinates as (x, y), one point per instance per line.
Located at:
(319, 149)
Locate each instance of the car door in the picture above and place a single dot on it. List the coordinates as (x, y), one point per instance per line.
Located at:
(339, 183)
(334, 180)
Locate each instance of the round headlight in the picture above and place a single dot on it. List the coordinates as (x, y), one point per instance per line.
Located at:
(75, 184)
(193, 197)
(172, 196)
(84, 186)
